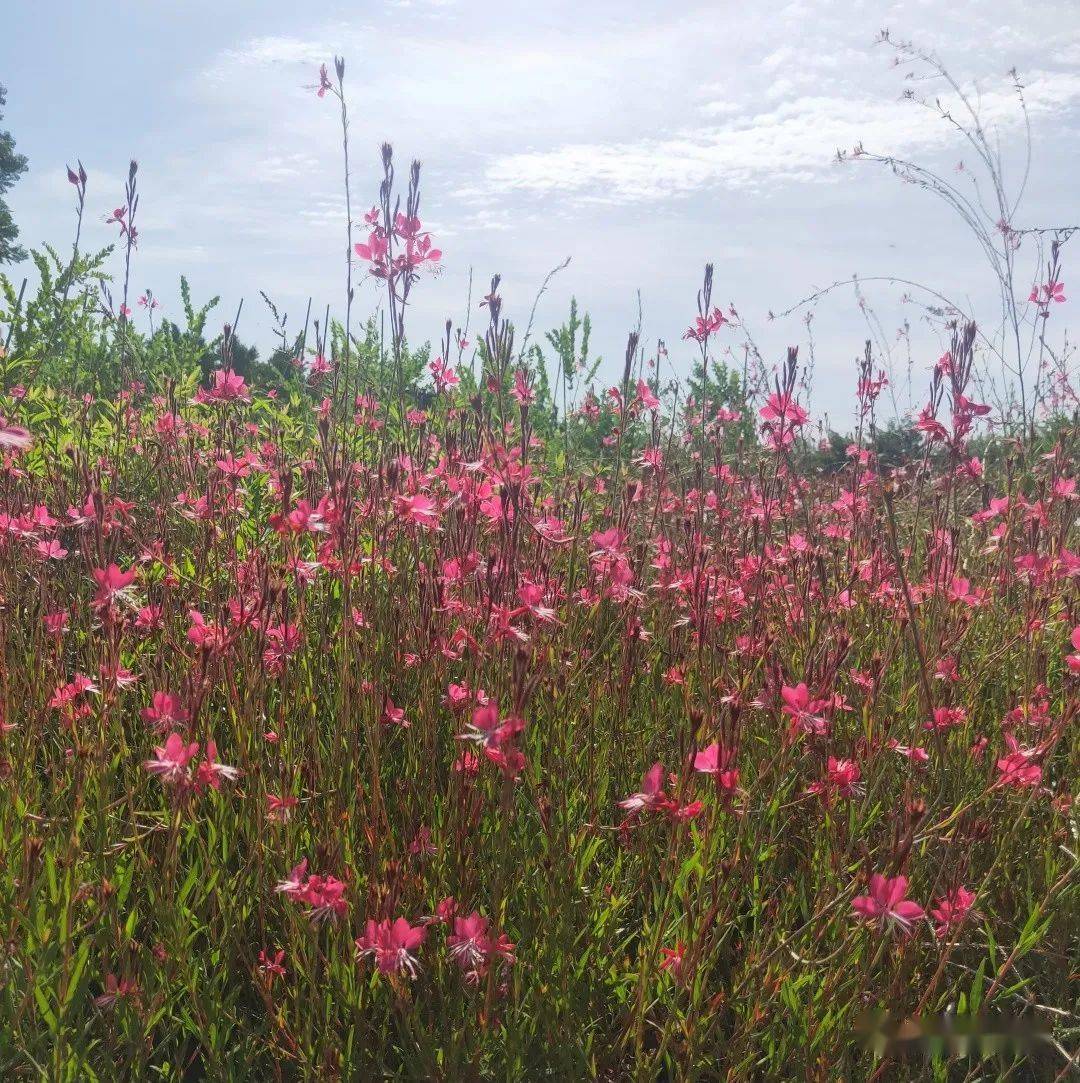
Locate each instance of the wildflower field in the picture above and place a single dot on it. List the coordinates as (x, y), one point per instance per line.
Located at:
(436, 714)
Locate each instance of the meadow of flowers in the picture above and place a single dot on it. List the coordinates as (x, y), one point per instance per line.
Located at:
(357, 730)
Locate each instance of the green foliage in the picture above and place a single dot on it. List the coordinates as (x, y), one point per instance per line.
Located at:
(899, 444)
(576, 368)
(59, 335)
(719, 388)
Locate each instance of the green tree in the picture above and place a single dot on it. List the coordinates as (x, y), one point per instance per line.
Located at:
(720, 388)
(576, 367)
(12, 167)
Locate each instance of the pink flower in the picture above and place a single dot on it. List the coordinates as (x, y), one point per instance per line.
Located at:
(842, 779)
(487, 729)
(952, 909)
(210, 773)
(325, 897)
(51, 550)
(272, 966)
(674, 959)
(375, 250)
(652, 791)
(469, 943)
(912, 752)
(467, 764)
(960, 591)
(704, 326)
(225, 387)
(472, 946)
(445, 910)
(324, 82)
(172, 759)
(804, 711)
(1050, 291)
(531, 595)
(395, 716)
(293, 884)
(1073, 660)
(946, 718)
(690, 811)
(165, 711)
(457, 696)
(112, 583)
(443, 374)
(202, 634)
(421, 845)
(392, 945)
(419, 510)
(780, 407)
(116, 989)
(14, 436)
(521, 391)
(1016, 768)
(887, 903)
(648, 399)
(279, 809)
(716, 761)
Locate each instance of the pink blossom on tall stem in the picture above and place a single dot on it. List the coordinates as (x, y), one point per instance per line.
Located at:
(293, 884)
(418, 510)
(14, 437)
(887, 904)
(1017, 768)
(951, 910)
(272, 966)
(781, 408)
(210, 773)
(324, 82)
(1049, 291)
(443, 374)
(804, 712)
(841, 779)
(394, 716)
(522, 392)
(912, 752)
(323, 895)
(1073, 660)
(225, 387)
(704, 326)
(392, 945)
(472, 946)
(673, 961)
(170, 762)
(116, 989)
(50, 549)
(651, 794)
(279, 809)
(165, 710)
(112, 583)
(716, 761)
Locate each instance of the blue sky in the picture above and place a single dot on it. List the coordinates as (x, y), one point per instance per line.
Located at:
(641, 139)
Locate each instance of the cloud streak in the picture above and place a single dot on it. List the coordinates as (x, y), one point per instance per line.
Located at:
(788, 143)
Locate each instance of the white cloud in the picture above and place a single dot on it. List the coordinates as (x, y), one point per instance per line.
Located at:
(793, 141)
(262, 51)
